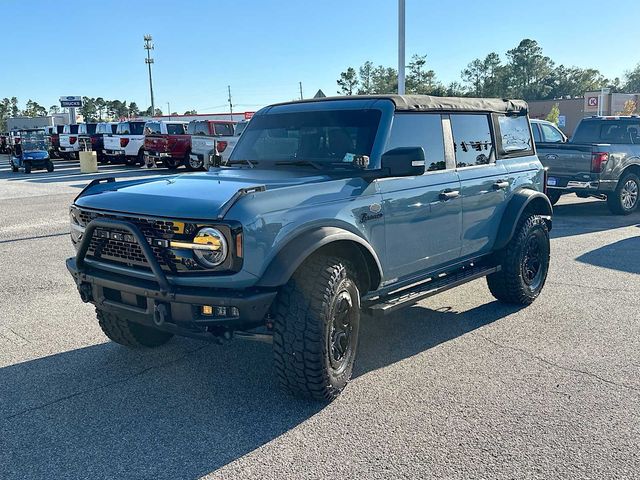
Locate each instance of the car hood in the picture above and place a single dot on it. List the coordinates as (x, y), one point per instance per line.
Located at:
(193, 196)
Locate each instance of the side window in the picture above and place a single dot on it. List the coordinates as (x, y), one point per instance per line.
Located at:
(536, 133)
(472, 140)
(514, 134)
(551, 134)
(420, 130)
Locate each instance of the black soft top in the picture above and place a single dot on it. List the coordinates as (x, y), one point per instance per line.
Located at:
(425, 103)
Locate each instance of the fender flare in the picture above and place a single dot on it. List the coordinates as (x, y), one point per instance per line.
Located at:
(293, 253)
(521, 200)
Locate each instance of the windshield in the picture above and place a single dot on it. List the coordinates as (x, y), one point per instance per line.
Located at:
(32, 141)
(328, 136)
(240, 127)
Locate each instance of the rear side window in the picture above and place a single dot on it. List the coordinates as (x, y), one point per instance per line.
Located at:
(536, 133)
(514, 134)
(223, 128)
(420, 130)
(175, 129)
(472, 140)
(551, 134)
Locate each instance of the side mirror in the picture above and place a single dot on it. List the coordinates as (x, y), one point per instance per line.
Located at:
(404, 162)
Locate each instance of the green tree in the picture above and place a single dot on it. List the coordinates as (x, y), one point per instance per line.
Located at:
(14, 110)
(134, 111)
(530, 71)
(33, 109)
(5, 112)
(384, 80)
(574, 81)
(347, 82)
(554, 114)
(53, 109)
(632, 80)
(88, 109)
(100, 107)
(420, 80)
(366, 82)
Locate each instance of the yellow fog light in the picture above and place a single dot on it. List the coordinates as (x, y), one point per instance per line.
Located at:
(207, 310)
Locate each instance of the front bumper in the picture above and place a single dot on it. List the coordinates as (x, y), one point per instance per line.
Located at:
(160, 303)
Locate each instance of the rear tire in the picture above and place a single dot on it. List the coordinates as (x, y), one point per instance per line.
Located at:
(171, 163)
(554, 196)
(50, 166)
(27, 167)
(624, 199)
(524, 263)
(130, 334)
(317, 318)
(193, 165)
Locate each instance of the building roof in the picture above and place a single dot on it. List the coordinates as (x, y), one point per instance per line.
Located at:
(425, 103)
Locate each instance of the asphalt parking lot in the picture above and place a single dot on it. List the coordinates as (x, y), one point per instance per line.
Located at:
(458, 386)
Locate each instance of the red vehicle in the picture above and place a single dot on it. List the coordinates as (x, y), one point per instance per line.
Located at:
(53, 135)
(167, 142)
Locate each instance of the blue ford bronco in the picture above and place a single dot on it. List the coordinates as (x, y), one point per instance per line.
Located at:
(325, 209)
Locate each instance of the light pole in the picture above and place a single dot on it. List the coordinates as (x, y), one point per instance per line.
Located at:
(401, 47)
(148, 46)
(169, 110)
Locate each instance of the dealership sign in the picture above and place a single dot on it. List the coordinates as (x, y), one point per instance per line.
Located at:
(592, 101)
(70, 101)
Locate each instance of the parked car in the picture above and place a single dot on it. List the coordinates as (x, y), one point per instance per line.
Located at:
(52, 133)
(92, 140)
(326, 208)
(544, 131)
(69, 145)
(167, 142)
(127, 144)
(209, 137)
(31, 152)
(601, 160)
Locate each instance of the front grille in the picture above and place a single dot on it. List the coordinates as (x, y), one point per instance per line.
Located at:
(127, 251)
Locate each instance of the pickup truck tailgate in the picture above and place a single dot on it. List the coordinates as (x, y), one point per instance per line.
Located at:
(155, 143)
(112, 142)
(565, 159)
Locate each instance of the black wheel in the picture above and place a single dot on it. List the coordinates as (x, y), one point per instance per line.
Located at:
(192, 164)
(317, 318)
(624, 200)
(171, 163)
(14, 169)
(130, 334)
(140, 158)
(27, 167)
(524, 263)
(50, 166)
(554, 196)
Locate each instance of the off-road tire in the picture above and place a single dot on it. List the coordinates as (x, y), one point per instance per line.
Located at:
(615, 200)
(554, 196)
(304, 327)
(130, 334)
(510, 285)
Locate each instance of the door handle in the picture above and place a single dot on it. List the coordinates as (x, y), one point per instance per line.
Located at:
(449, 194)
(500, 184)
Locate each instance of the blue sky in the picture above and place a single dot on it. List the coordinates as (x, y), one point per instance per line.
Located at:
(263, 48)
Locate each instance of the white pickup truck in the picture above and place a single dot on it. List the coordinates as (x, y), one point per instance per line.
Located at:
(69, 145)
(126, 145)
(219, 146)
(208, 137)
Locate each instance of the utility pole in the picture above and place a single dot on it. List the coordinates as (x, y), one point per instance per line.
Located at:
(401, 62)
(301, 97)
(169, 110)
(230, 104)
(148, 46)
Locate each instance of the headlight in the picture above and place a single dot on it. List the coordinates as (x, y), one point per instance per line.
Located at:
(210, 247)
(76, 230)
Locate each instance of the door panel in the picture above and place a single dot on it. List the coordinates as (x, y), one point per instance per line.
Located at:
(422, 227)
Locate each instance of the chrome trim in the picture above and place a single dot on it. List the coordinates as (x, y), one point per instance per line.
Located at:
(193, 246)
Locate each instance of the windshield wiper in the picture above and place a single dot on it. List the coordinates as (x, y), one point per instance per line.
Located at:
(237, 162)
(301, 163)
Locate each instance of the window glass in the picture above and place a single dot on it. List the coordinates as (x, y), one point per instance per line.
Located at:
(175, 129)
(240, 127)
(471, 139)
(608, 131)
(514, 132)
(151, 128)
(551, 134)
(319, 136)
(420, 130)
(223, 128)
(198, 127)
(90, 128)
(536, 133)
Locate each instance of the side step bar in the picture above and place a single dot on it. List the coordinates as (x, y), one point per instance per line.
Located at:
(381, 306)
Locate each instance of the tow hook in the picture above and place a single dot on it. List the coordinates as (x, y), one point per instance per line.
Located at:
(86, 292)
(160, 314)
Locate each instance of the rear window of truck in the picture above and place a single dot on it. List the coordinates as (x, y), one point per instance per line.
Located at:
(151, 128)
(608, 131)
(130, 128)
(198, 127)
(223, 128)
(175, 129)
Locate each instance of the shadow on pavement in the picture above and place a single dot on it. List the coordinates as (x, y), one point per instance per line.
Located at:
(588, 217)
(623, 255)
(180, 411)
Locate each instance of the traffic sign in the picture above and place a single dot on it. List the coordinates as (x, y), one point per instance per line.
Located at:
(592, 101)
(70, 101)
